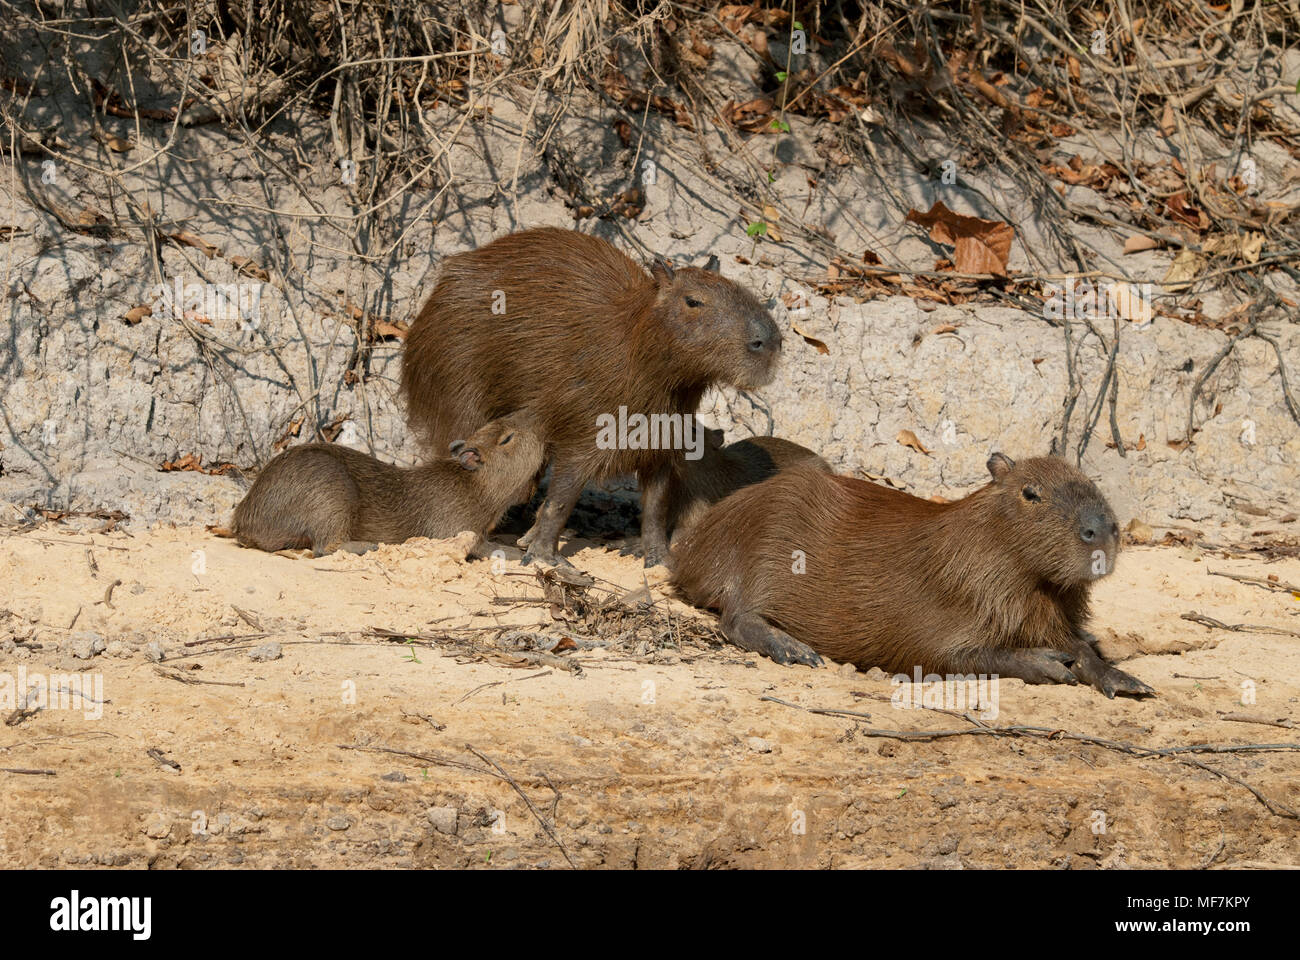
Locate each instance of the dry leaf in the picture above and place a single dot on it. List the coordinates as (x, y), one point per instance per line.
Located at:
(1129, 303)
(1137, 243)
(246, 266)
(1168, 122)
(821, 347)
(1183, 270)
(908, 439)
(136, 314)
(982, 246)
(189, 239)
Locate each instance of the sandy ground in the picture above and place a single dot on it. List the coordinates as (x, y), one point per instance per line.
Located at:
(640, 743)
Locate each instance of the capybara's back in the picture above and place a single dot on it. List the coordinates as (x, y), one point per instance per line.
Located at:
(307, 497)
(531, 317)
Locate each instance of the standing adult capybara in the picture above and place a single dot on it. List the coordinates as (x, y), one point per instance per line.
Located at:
(695, 485)
(323, 495)
(995, 583)
(567, 326)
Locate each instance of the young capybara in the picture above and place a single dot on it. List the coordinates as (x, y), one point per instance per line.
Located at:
(694, 485)
(323, 495)
(996, 583)
(567, 326)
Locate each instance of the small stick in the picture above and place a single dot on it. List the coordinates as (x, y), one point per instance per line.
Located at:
(35, 773)
(158, 756)
(822, 710)
(108, 595)
(540, 819)
(181, 678)
(1205, 621)
(227, 636)
(1251, 718)
(1257, 581)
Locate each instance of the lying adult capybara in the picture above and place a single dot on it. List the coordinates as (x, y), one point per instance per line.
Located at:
(325, 496)
(995, 583)
(567, 326)
(695, 485)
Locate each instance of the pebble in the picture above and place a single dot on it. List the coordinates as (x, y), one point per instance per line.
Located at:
(266, 651)
(444, 819)
(86, 644)
(759, 745)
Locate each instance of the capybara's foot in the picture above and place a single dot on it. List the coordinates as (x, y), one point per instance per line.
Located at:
(545, 555)
(529, 535)
(656, 554)
(1091, 669)
(752, 632)
(358, 546)
(1032, 664)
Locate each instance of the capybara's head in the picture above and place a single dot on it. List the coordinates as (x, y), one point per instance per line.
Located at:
(1056, 520)
(717, 327)
(507, 454)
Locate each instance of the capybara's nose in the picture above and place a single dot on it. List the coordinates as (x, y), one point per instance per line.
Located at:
(764, 337)
(1095, 525)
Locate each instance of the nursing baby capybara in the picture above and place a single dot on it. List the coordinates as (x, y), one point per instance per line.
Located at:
(695, 485)
(326, 496)
(995, 583)
(567, 326)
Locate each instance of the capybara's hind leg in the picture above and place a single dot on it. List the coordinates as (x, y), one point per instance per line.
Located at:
(328, 535)
(751, 632)
(1030, 664)
(1091, 669)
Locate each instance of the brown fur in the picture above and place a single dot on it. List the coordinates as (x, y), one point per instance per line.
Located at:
(584, 331)
(722, 470)
(322, 495)
(979, 585)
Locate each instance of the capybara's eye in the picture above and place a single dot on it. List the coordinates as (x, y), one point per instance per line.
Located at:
(1030, 494)
(506, 439)
(692, 302)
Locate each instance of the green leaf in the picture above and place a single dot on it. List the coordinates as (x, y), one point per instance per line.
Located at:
(781, 75)
(798, 25)
(781, 126)
(756, 229)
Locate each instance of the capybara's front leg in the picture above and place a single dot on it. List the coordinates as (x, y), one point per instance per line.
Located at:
(1092, 669)
(1030, 664)
(654, 516)
(749, 631)
(561, 497)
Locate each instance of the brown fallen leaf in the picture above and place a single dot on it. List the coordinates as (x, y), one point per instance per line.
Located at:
(248, 268)
(136, 314)
(1168, 122)
(188, 239)
(982, 246)
(1137, 243)
(821, 347)
(1183, 270)
(909, 439)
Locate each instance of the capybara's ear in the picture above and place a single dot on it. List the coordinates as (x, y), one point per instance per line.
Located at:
(455, 446)
(469, 457)
(662, 271)
(713, 266)
(714, 437)
(1000, 465)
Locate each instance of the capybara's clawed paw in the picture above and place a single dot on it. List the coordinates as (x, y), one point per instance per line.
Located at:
(1042, 665)
(545, 556)
(1114, 681)
(756, 634)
